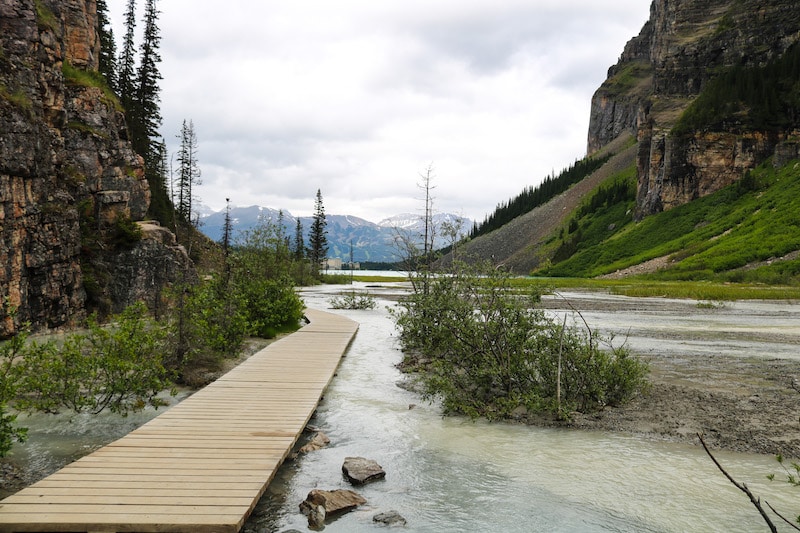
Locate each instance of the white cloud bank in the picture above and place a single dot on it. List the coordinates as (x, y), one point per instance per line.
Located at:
(357, 97)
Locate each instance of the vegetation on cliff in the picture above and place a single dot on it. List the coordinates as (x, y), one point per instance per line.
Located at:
(747, 232)
(739, 98)
(535, 196)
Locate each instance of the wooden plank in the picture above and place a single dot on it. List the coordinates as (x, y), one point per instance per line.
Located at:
(203, 464)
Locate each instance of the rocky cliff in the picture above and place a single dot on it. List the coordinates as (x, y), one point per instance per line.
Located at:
(69, 181)
(683, 46)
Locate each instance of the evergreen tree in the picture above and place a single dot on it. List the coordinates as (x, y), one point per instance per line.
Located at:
(125, 82)
(146, 113)
(107, 64)
(318, 239)
(157, 171)
(299, 243)
(227, 229)
(188, 171)
(226, 243)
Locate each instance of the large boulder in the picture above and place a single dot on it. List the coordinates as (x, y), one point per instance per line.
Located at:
(319, 504)
(359, 470)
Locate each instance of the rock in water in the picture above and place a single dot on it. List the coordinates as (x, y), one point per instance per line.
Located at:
(319, 441)
(389, 518)
(322, 503)
(359, 470)
(316, 517)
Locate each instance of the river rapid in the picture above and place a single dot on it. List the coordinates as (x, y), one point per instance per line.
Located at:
(449, 474)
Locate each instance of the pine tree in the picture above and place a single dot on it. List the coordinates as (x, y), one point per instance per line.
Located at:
(157, 171)
(125, 82)
(145, 115)
(146, 112)
(299, 243)
(188, 171)
(107, 63)
(318, 239)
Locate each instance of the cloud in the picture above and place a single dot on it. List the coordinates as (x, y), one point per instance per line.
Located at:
(357, 97)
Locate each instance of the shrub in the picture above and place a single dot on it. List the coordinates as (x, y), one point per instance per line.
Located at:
(487, 350)
(353, 300)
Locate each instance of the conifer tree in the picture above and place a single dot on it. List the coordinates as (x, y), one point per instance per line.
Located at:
(126, 63)
(107, 63)
(318, 239)
(188, 171)
(146, 113)
(299, 242)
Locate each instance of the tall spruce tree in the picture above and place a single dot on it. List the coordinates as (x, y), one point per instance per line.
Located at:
(188, 172)
(145, 116)
(318, 237)
(299, 241)
(107, 62)
(146, 112)
(127, 59)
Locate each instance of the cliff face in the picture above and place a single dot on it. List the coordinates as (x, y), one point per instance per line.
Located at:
(67, 171)
(662, 71)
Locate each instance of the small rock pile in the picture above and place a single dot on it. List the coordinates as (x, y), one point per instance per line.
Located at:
(320, 505)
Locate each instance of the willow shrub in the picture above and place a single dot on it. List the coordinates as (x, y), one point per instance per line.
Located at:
(119, 367)
(486, 349)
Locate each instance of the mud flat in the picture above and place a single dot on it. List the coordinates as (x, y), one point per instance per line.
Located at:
(727, 370)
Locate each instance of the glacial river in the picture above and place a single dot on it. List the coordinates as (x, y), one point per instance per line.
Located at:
(454, 475)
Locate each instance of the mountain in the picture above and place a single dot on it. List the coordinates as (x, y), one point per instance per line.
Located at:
(371, 242)
(71, 185)
(673, 88)
(700, 111)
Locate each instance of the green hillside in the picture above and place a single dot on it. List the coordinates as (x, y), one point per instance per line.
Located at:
(747, 232)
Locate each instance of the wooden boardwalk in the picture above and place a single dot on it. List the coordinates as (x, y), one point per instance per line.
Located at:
(203, 464)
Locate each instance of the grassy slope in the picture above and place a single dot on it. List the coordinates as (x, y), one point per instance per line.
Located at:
(734, 235)
(521, 245)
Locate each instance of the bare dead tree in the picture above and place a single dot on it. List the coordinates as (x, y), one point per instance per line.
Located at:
(742, 487)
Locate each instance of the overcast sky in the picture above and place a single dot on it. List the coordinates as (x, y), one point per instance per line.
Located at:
(358, 97)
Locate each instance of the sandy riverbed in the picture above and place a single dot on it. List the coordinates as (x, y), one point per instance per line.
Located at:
(739, 402)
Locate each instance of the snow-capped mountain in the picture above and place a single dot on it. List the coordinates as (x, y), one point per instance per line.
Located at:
(370, 241)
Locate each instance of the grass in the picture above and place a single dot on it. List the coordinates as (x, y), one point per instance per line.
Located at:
(696, 290)
(17, 98)
(734, 235)
(45, 19)
(90, 78)
(703, 291)
(628, 77)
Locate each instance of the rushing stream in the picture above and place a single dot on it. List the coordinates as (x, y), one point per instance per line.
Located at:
(454, 475)
(451, 474)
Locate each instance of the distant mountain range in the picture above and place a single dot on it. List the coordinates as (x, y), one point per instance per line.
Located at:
(370, 241)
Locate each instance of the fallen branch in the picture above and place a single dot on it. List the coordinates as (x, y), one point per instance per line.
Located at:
(741, 486)
(794, 526)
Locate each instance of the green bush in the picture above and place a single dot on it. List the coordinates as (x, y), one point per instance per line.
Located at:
(118, 367)
(353, 300)
(486, 349)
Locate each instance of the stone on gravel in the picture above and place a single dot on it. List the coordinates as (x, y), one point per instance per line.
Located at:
(360, 470)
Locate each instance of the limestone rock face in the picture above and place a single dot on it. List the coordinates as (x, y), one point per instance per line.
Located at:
(664, 68)
(65, 159)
